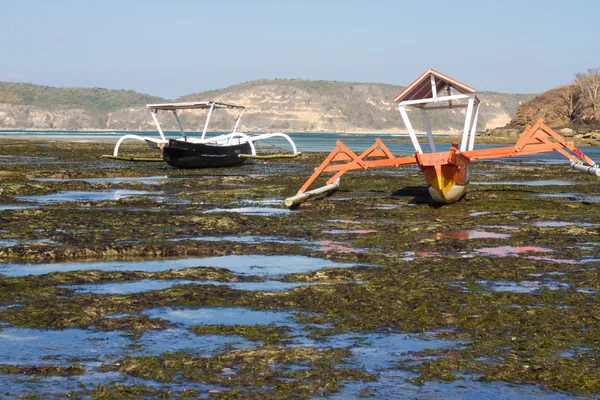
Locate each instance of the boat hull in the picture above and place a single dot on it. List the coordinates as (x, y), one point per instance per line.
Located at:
(182, 154)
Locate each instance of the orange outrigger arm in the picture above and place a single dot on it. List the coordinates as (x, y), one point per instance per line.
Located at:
(343, 153)
(448, 167)
(533, 140)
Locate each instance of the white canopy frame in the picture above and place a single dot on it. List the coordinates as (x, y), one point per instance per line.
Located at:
(221, 140)
(424, 95)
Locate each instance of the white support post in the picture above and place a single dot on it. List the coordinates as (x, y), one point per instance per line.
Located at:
(212, 106)
(237, 122)
(162, 135)
(474, 128)
(465, 136)
(428, 130)
(433, 89)
(179, 123)
(409, 127)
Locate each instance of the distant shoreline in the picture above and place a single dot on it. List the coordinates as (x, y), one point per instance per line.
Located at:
(124, 131)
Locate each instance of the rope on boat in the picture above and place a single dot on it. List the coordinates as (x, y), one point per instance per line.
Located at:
(269, 156)
(136, 159)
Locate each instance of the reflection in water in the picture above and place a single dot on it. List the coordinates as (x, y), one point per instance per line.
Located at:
(411, 255)
(513, 251)
(15, 206)
(101, 195)
(351, 231)
(389, 206)
(340, 247)
(251, 210)
(345, 221)
(523, 286)
(472, 234)
(478, 213)
(558, 224)
(500, 251)
(246, 264)
(147, 180)
(225, 316)
(570, 197)
(9, 242)
(551, 259)
(21, 242)
(146, 285)
(505, 251)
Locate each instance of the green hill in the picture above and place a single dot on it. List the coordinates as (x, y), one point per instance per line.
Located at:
(95, 103)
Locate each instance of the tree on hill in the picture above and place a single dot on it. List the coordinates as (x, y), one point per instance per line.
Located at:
(589, 86)
(570, 96)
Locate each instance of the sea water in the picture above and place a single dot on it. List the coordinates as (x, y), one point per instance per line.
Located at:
(305, 142)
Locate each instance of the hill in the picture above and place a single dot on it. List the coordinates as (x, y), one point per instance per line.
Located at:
(273, 105)
(26, 106)
(560, 108)
(574, 109)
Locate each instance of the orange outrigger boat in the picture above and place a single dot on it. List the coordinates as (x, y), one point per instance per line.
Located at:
(447, 173)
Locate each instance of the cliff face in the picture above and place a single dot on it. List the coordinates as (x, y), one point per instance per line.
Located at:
(346, 107)
(31, 117)
(273, 105)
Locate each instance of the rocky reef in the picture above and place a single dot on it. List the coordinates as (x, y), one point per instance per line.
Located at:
(138, 280)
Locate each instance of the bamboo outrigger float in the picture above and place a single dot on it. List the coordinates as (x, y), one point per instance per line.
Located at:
(447, 173)
(189, 152)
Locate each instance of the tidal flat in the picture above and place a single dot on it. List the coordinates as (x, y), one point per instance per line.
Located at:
(138, 280)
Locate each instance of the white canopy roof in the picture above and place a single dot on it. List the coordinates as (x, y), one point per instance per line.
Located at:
(423, 87)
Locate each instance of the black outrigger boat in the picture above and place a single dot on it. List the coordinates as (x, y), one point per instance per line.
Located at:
(184, 154)
(225, 150)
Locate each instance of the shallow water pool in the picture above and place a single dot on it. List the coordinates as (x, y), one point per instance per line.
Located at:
(146, 285)
(241, 264)
(101, 195)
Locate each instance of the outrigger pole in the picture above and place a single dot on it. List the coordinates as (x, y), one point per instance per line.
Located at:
(302, 197)
(447, 173)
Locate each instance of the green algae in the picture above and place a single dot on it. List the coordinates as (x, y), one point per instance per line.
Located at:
(14, 291)
(42, 370)
(268, 334)
(99, 276)
(408, 281)
(577, 374)
(114, 391)
(19, 290)
(137, 324)
(264, 372)
(87, 311)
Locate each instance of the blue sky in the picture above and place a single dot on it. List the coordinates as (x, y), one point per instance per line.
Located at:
(171, 48)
